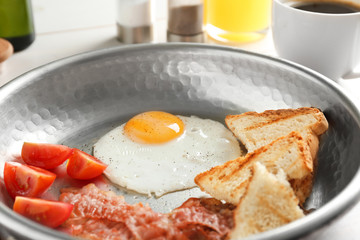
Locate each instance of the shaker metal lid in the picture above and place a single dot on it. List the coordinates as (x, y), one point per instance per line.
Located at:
(197, 38)
(129, 35)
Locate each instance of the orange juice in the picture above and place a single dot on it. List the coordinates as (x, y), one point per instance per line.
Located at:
(237, 21)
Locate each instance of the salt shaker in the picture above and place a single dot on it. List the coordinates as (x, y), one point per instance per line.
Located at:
(185, 21)
(134, 21)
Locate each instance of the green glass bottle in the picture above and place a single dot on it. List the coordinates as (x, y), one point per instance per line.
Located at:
(16, 23)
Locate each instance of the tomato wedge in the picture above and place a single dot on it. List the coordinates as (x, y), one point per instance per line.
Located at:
(84, 166)
(25, 180)
(45, 155)
(46, 212)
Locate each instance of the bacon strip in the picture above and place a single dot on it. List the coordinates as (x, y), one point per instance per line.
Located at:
(99, 214)
(203, 218)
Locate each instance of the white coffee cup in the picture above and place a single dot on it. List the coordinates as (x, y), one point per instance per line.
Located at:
(328, 43)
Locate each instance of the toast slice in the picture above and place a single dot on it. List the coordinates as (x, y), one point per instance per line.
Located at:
(269, 202)
(291, 153)
(255, 130)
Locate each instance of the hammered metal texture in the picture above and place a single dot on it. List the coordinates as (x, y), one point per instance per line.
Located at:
(76, 100)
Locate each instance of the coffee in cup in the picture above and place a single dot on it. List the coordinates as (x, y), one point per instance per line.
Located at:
(322, 35)
(334, 7)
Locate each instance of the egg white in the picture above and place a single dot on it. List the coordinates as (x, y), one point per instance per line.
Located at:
(170, 166)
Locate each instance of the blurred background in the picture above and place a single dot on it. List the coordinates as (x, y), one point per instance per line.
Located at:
(68, 27)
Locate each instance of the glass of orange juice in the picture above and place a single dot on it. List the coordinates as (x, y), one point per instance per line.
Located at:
(237, 21)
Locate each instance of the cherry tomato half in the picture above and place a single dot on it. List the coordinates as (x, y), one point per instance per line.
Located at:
(45, 155)
(84, 166)
(46, 212)
(25, 180)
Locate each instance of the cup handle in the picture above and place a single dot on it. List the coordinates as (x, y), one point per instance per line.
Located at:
(352, 75)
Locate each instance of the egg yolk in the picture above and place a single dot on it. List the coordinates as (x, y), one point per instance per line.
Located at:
(154, 127)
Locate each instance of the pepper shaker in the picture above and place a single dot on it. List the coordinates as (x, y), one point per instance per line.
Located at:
(185, 21)
(134, 21)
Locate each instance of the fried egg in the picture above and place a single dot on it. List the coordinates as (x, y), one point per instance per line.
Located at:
(157, 152)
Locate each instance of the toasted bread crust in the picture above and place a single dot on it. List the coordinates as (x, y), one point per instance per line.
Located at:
(258, 129)
(268, 202)
(279, 142)
(272, 116)
(291, 153)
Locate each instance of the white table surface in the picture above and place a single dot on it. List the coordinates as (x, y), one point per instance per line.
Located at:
(68, 27)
